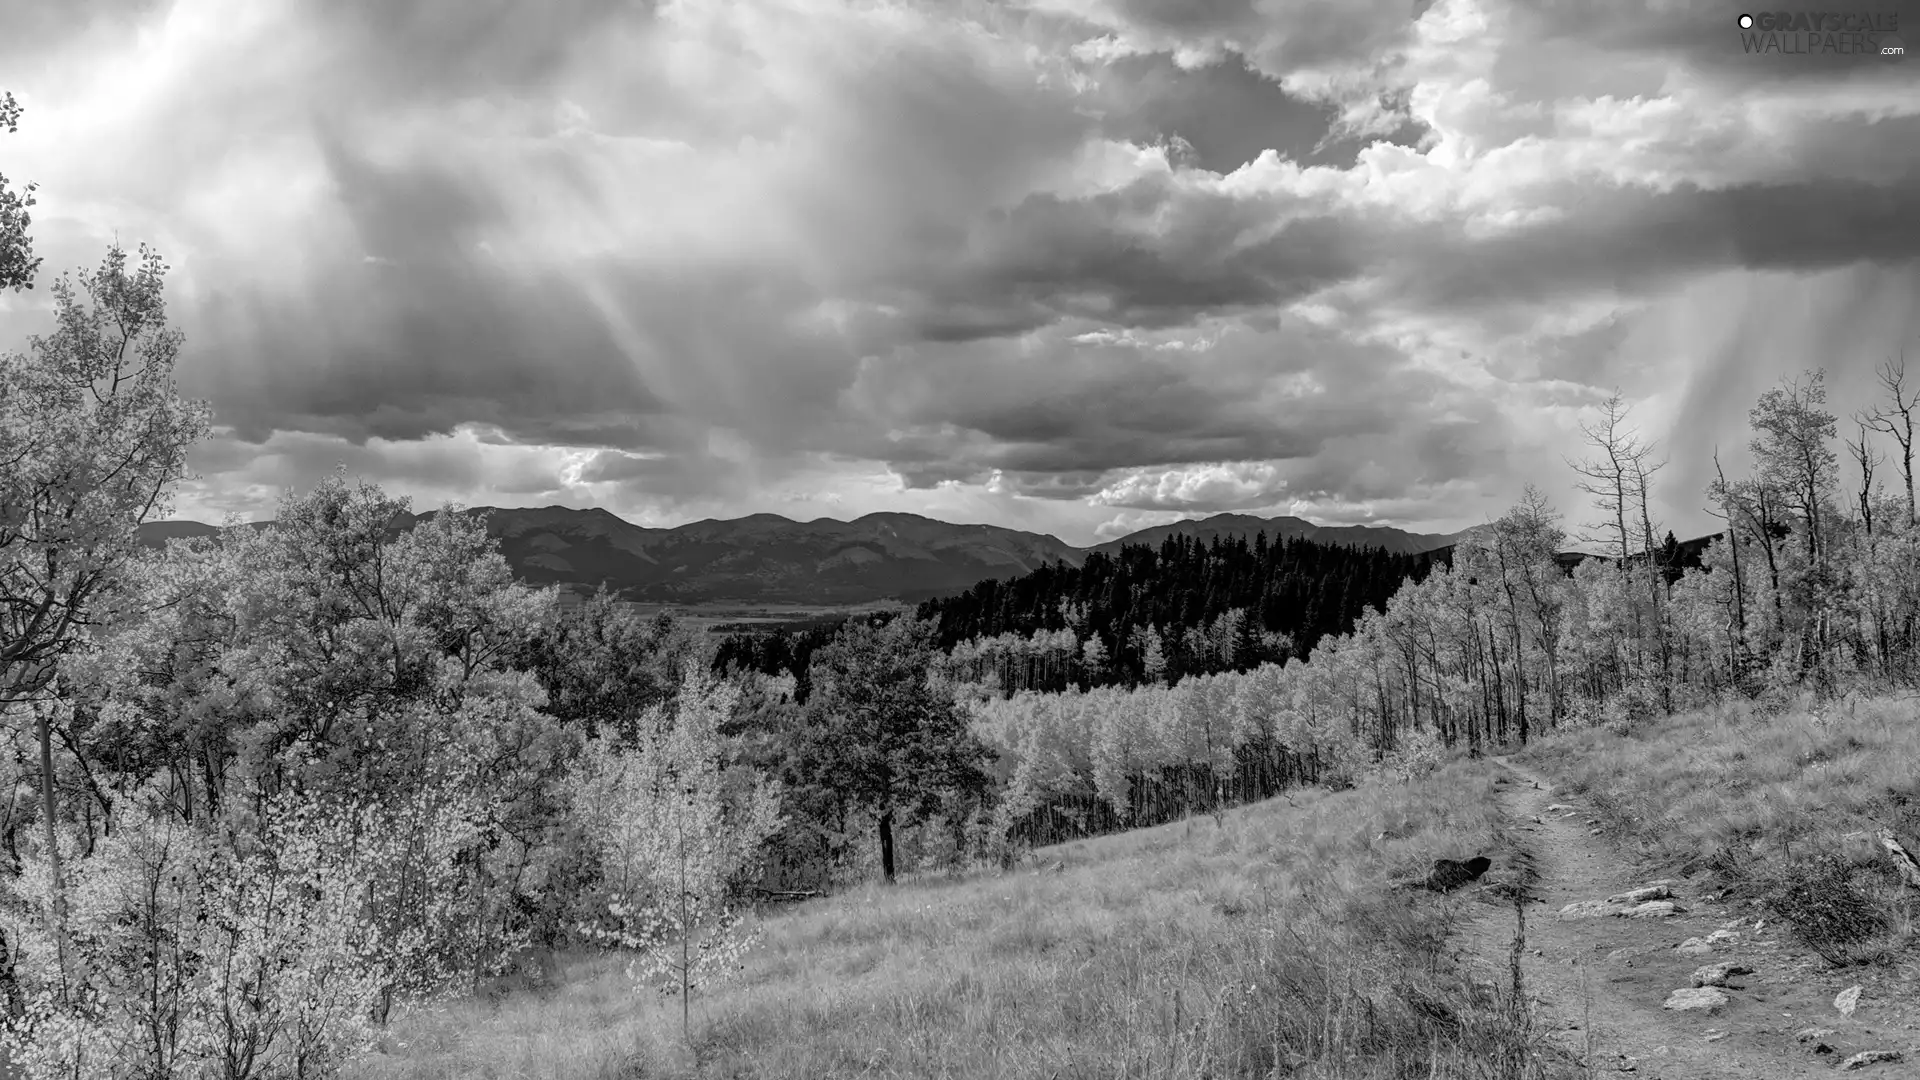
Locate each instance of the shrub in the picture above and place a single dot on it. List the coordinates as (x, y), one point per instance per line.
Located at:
(1822, 899)
(193, 947)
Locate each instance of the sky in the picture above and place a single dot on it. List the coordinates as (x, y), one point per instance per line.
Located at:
(1074, 266)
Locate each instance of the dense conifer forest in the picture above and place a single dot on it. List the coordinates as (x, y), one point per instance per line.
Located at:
(1188, 607)
(1225, 605)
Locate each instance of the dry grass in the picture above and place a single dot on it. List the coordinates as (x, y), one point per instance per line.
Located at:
(1264, 946)
(1763, 800)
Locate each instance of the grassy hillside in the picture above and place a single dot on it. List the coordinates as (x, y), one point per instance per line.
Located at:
(1766, 800)
(1192, 949)
(1268, 938)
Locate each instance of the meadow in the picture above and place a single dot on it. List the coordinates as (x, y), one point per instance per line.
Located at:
(1262, 942)
(1267, 941)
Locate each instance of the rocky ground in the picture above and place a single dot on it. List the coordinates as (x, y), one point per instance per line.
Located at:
(1653, 976)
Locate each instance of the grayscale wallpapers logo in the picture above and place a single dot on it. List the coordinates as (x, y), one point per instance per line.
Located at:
(1865, 34)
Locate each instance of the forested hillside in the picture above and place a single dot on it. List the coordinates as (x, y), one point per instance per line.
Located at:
(1147, 615)
(1136, 615)
(1808, 590)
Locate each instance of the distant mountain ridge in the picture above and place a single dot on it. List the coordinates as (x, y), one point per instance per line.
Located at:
(773, 559)
(1397, 541)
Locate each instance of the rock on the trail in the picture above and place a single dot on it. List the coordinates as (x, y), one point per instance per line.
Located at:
(1722, 935)
(1814, 1039)
(1554, 808)
(1718, 974)
(1694, 946)
(1869, 1057)
(1641, 895)
(1632, 953)
(1652, 909)
(1697, 999)
(1847, 1000)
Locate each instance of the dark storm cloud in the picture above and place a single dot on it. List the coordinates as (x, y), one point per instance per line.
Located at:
(1226, 112)
(1052, 484)
(434, 330)
(428, 349)
(1635, 243)
(1062, 407)
(1155, 254)
(417, 216)
(1450, 451)
(1148, 255)
(1813, 226)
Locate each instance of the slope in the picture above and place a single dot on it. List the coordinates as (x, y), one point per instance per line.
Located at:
(764, 557)
(1603, 979)
(772, 559)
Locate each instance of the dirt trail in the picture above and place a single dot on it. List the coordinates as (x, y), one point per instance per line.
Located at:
(1615, 973)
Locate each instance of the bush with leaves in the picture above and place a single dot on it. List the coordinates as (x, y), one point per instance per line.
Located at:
(199, 948)
(675, 828)
(1827, 908)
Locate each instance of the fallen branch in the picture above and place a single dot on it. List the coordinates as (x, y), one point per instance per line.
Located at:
(778, 895)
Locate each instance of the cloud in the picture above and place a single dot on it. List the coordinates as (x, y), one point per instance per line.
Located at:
(1132, 521)
(1234, 485)
(1027, 263)
(471, 465)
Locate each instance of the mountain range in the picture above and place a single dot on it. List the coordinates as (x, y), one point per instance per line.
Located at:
(772, 559)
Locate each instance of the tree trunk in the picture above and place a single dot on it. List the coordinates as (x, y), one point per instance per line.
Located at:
(49, 806)
(886, 844)
(686, 960)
